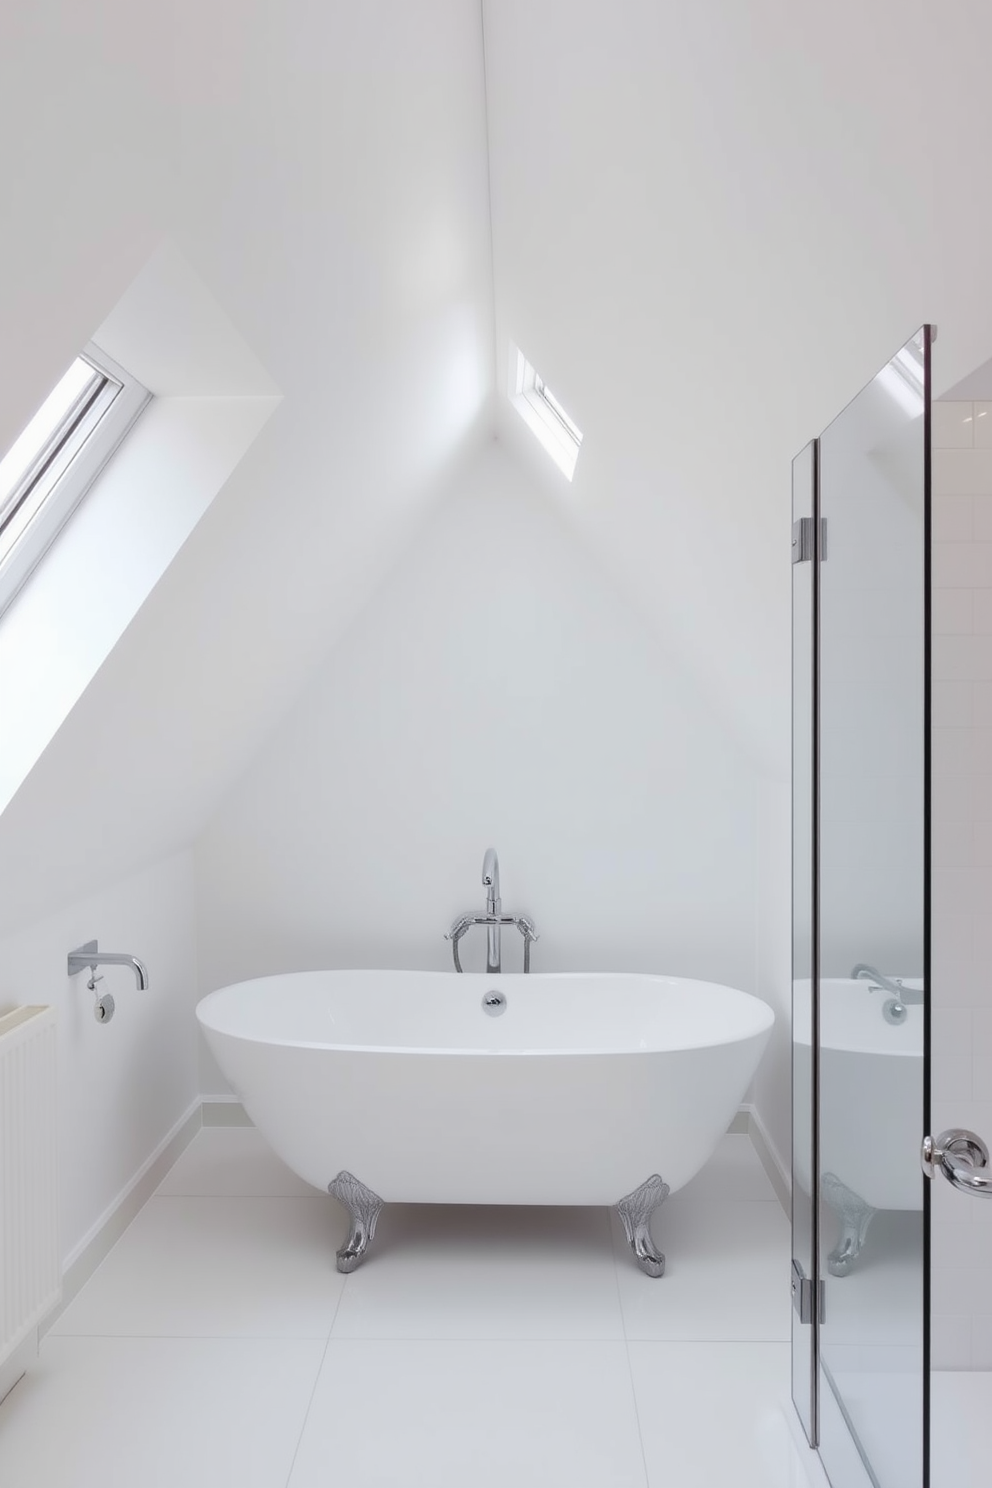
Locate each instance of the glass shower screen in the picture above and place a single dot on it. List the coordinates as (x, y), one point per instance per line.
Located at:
(867, 911)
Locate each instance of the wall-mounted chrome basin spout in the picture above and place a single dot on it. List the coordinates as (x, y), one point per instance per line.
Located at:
(90, 956)
(493, 919)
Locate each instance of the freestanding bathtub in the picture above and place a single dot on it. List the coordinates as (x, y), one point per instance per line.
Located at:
(430, 1087)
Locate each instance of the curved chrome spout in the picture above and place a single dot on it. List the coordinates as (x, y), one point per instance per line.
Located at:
(138, 967)
(490, 879)
(89, 956)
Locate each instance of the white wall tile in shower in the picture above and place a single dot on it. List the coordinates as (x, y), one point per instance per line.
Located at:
(983, 425)
(950, 1341)
(981, 704)
(962, 657)
(962, 867)
(953, 519)
(953, 611)
(954, 563)
(952, 841)
(982, 517)
(965, 471)
(952, 425)
(952, 703)
(951, 1067)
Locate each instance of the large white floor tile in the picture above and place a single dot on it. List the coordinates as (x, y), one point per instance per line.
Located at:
(879, 1392)
(734, 1172)
(727, 1274)
(158, 1413)
(228, 1267)
(468, 1272)
(448, 1415)
(233, 1160)
(961, 1405)
(711, 1415)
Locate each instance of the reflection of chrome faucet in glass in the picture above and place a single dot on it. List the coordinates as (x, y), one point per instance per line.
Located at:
(908, 996)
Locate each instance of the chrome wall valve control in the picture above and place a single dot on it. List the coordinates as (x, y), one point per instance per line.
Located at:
(962, 1157)
(364, 1206)
(635, 1211)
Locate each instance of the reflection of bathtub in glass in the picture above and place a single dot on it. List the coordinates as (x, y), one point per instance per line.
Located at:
(871, 1088)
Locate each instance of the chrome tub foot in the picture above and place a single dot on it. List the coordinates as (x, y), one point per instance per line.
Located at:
(635, 1211)
(364, 1206)
(855, 1216)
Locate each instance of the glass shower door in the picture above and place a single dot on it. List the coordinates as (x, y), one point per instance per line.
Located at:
(873, 904)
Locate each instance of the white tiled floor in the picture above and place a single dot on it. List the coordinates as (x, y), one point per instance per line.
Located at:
(217, 1347)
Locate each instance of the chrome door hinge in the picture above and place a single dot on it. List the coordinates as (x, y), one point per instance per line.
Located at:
(802, 540)
(803, 1293)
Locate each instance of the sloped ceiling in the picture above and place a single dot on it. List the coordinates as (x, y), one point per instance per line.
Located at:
(711, 223)
(322, 167)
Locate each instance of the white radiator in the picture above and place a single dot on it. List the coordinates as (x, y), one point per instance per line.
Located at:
(30, 1265)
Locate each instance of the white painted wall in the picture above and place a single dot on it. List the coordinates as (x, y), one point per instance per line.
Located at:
(500, 691)
(123, 1085)
(962, 865)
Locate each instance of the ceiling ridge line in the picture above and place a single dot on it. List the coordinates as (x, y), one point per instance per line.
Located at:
(489, 191)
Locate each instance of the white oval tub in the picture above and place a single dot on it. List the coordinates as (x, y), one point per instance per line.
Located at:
(583, 1088)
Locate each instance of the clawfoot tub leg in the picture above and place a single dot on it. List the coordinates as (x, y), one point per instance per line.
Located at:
(635, 1213)
(855, 1216)
(364, 1206)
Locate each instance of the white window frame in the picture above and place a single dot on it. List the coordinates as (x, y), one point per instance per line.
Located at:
(66, 467)
(543, 414)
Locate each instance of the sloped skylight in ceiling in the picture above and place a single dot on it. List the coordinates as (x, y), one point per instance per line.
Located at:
(50, 466)
(543, 414)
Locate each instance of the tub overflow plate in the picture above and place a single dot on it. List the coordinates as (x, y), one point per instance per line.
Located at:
(493, 1003)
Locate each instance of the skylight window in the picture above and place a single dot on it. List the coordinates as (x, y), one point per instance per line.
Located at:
(51, 465)
(543, 414)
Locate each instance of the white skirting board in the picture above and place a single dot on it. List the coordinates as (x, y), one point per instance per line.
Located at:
(228, 1111)
(14, 1367)
(224, 1110)
(778, 1171)
(84, 1258)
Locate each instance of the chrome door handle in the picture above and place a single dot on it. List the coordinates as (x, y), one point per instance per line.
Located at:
(962, 1157)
